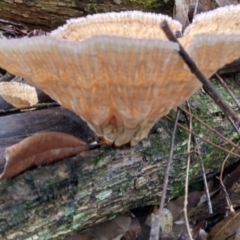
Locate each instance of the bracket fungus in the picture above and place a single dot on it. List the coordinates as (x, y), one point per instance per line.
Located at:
(118, 71)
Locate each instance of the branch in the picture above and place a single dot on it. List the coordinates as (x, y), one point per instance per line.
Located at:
(208, 87)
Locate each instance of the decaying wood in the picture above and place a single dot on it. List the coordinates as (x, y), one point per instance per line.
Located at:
(49, 14)
(52, 201)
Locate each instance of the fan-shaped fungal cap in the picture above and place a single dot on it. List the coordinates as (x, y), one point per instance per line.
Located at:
(224, 20)
(221, 20)
(119, 86)
(18, 94)
(133, 24)
(120, 82)
(213, 39)
(212, 52)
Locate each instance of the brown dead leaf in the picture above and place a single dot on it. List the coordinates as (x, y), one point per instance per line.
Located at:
(184, 10)
(176, 206)
(134, 230)
(41, 148)
(180, 231)
(110, 230)
(226, 228)
(198, 232)
(231, 180)
(222, 3)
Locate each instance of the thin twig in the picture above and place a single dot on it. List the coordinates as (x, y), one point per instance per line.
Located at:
(234, 125)
(228, 200)
(195, 8)
(198, 153)
(205, 140)
(156, 219)
(187, 178)
(211, 129)
(205, 182)
(220, 80)
(208, 87)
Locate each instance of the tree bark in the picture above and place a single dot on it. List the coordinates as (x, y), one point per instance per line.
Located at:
(52, 201)
(49, 14)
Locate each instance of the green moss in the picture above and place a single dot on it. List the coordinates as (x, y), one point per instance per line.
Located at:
(177, 189)
(147, 4)
(204, 108)
(156, 147)
(100, 159)
(92, 8)
(68, 211)
(104, 194)
(78, 220)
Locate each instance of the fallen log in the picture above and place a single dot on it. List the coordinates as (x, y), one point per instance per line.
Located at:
(48, 15)
(51, 202)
